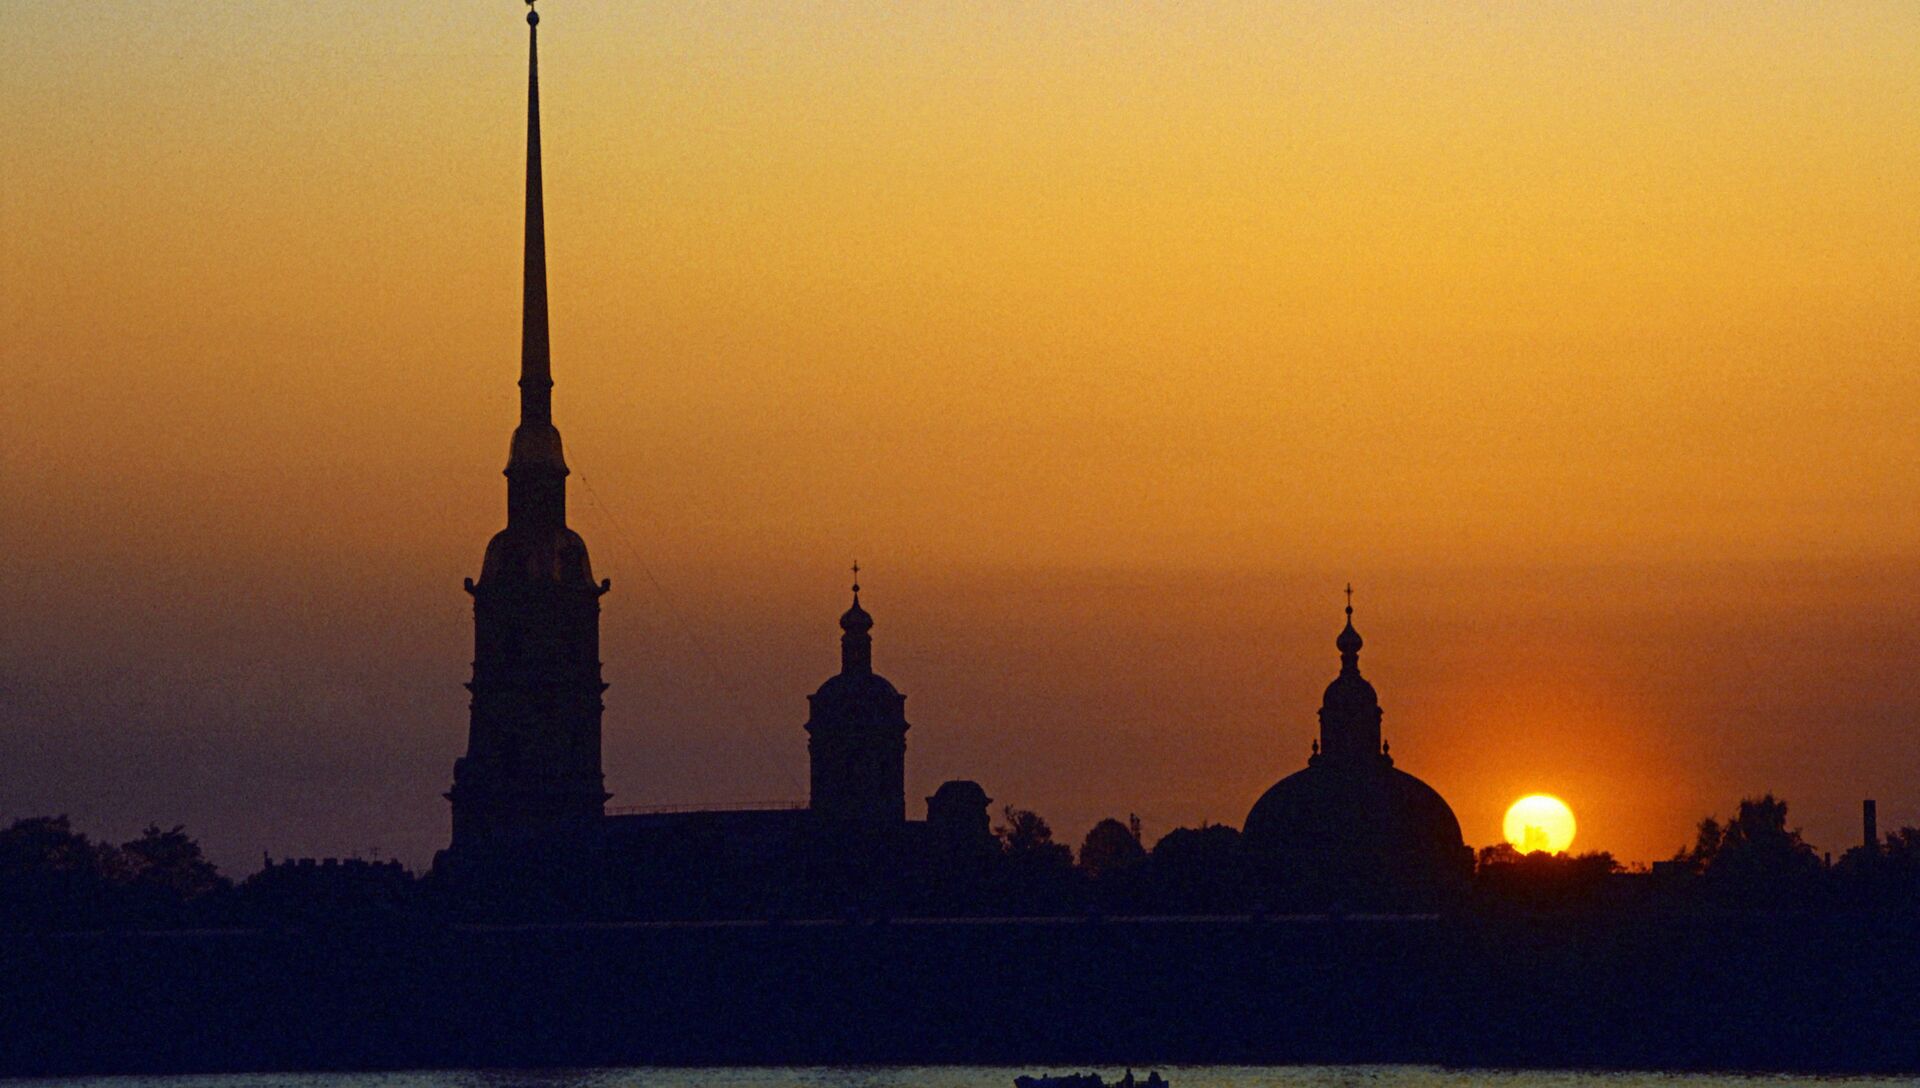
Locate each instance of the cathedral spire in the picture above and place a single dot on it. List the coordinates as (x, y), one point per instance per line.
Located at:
(536, 468)
(531, 778)
(536, 364)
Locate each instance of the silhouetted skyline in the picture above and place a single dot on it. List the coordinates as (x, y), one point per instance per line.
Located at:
(1582, 365)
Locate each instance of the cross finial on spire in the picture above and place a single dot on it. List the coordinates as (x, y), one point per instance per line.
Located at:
(1349, 600)
(533, 17)
(856, 577)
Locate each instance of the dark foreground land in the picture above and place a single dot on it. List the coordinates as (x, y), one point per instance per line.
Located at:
(1695, 991)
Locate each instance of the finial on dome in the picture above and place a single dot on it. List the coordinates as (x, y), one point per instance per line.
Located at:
(856, 643)
(533, 17)
(1349, 642)
(856, 620)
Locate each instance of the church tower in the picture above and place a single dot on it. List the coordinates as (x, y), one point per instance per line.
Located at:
(532, 768)
(1350, 710)
(857, 735)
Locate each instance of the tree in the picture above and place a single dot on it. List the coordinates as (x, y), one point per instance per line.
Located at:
(1112, 847)
(52, 876)
(1754, 854)
(1027, 837)
(1502, 853)
(1036, 872)
(170, 863)
(1200, 869)
(1903, 847)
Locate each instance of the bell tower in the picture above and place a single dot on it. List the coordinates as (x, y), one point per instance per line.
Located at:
(857, 735)
(532, 766)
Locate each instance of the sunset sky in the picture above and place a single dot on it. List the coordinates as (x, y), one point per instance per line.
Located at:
(1112, 339)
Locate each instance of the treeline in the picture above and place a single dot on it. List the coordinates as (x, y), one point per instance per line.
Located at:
(1753, 859)
(53, 877)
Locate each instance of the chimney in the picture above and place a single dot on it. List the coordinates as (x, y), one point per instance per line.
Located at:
(1870, 826)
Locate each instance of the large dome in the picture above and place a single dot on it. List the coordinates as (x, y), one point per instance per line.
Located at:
(1345, 832)
(1351, 828)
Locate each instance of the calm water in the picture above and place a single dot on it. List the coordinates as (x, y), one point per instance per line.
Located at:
(961, 1077)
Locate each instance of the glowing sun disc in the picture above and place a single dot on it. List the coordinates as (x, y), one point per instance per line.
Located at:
(1539, 821)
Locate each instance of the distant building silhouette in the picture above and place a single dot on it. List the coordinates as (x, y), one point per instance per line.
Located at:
(529, 794)
(531, 773)
(851, 842)
(857, 735)
(1351, 828)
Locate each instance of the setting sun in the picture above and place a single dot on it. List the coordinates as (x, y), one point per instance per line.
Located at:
(1539, 821)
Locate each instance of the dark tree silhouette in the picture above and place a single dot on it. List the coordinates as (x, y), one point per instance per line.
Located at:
(1026, 838)
(1902, 847)
(1112, 847)
(1754, 857)
(1883, 875)
(1541, 881)
(170, 862)
(52, 876)
(1502, 853)
(1036, 873)
(1200, 869)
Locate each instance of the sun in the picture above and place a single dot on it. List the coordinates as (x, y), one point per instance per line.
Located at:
(1539, 821)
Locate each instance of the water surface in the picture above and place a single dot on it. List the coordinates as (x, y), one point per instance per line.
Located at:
(1212, 1076)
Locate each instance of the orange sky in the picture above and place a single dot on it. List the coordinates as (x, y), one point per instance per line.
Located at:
(1113, 340)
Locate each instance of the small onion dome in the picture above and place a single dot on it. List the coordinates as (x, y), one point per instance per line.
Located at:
(856, 620)
(1349, 641)
(1349, 693)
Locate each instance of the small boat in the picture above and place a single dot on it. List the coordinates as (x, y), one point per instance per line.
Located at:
(1090, 1080)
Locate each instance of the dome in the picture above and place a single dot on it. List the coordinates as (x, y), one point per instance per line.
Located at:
(1348, 694)
(1349, 640)
(1351, 828)
(1357, 831)
(855, 619)
(960, 794)
(523, 554)
(852, 686)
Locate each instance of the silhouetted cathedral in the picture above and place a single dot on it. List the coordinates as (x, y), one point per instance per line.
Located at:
(1350, 828)
(532, 767)
(530, 790)
(529, 797)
